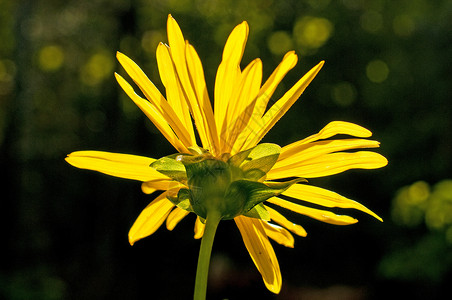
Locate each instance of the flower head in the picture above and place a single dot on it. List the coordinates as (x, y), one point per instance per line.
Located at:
(222, 167)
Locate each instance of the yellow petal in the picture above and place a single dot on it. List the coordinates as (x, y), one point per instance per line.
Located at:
(140, 78)
(279, 234)
(331, 129)
(224, 84)
(178, 61)
(158, 102)
(150, 219)
(151, 186)
(174, 93)
(265, 93)
(288, 62)
(298, 155)
(199, 228)
(228, 73)
(176, 41)
(242, 103)
(116, 164)
(178, 48)
(281, 220)
(321, 215)
(325, 198)
(330, 164)
(196, 73)
(176, 215)
(280, 108)
(261, 251)
(154, 115)
(235, 44)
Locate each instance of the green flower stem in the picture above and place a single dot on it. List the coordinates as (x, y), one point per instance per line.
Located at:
(212, 221)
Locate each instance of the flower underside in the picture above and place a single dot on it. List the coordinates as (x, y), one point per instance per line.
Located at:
(232, 187)
(231, 175)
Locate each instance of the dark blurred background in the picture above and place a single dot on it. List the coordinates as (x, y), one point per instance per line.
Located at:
(64, 230)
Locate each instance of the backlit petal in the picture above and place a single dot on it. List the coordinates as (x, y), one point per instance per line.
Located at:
(281, 107)
(158, 102)
(321, 215)
(228, 73)
(325, 198)
(140, 78)
(281, 220)
(151, 218)
(178, 48)
(265, 93)
(176, 215)
(331, 129)
(279, 234)
(154, 115)
(115, 164)
(151, 186)
(177, 42)
(242, 103)
(298, 155)
(174, 93)
(288, 62)
(196, 73)
(330, 164)
(261, 251)
(199, 228)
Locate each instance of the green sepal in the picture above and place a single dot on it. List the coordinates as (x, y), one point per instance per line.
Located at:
(284, 184)
(237, 159)
(208, 180)
(196, 150)
(198, 154)
(262, 157)
(252, 193)
(231, 186)
(182, 200)
(257, 161)
(258, 212)
(170, 167)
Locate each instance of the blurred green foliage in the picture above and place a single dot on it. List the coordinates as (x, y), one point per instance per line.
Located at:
(427, 210)
(387, 68)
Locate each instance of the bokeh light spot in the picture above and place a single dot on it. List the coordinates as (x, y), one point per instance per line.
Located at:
(403, 25)
(279, 42)
(7, 74)
(403, 212)
(444, 189)
(418, 192)
(50, 58)
(7, 70)
(377, 71)
(343, 93)
(439, 212)
(435, 216)
(98, 67)
(418, 202)
(312, 32)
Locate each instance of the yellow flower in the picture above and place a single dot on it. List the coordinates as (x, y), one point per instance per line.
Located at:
(237, 122)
